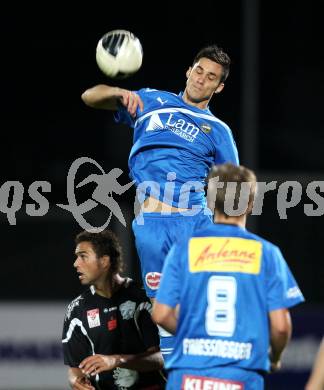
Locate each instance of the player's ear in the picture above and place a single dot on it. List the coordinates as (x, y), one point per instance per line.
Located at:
(188, 72)
(219, 88)
(105, 261)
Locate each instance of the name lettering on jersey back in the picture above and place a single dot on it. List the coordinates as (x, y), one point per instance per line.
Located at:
(178, 126)
(225, 349)
(194, 382)
(224, 254)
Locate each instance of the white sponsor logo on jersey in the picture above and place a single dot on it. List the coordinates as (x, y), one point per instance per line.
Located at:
(294, 292)
(154, 123)
(178, 126)
(71, 306)
(161, 101)
(125, 378)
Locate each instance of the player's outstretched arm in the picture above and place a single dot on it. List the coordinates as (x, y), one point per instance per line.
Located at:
(150, 360)
(280, 334)
(106, 97)
(77, 380)
(316, 379)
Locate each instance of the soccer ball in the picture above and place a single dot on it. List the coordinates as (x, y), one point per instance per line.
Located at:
(119, 54)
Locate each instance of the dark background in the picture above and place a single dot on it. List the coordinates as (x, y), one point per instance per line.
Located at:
(48, 60)
(273, 102)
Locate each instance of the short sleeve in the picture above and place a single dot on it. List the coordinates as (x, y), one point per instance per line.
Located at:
(282, 288)
(148, 329)
(76, 346)
(170, 285)
(123, 116)
(226, 149)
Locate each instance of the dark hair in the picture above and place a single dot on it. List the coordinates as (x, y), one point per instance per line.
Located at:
(216, 54)
(104, 243)
(230, 173)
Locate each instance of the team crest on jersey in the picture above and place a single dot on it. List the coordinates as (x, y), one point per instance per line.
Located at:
(152, 280)
(206, 128)
(93, 318)
(127, 309)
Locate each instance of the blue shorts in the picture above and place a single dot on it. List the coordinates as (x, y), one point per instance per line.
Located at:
(214, 378)
(154, 237)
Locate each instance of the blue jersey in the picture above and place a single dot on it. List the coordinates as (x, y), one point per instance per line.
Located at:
(175, 144)
(226, 280)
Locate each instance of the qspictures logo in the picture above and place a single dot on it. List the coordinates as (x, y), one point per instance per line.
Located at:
(170, 192)
(12, 194)
(106, 185)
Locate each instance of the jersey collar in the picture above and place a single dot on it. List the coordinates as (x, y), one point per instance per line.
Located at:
(189, 105)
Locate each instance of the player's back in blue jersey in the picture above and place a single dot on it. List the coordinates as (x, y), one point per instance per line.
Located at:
(173, 136)
(226, 280)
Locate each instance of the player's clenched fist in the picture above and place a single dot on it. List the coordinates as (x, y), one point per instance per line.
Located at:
(131, 101)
